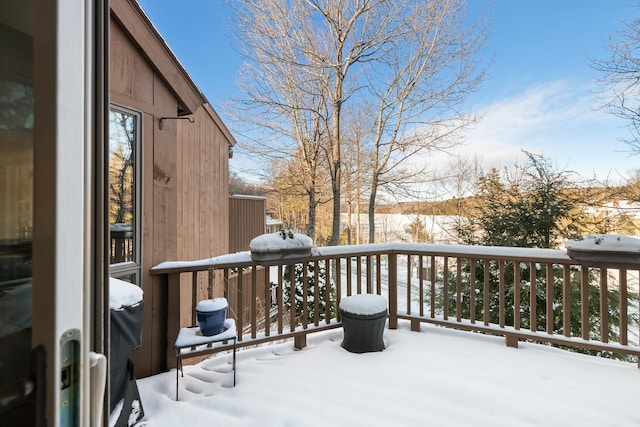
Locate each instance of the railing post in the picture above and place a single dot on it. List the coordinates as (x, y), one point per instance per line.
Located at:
(300, 341)
(173, 316)
(393, 290)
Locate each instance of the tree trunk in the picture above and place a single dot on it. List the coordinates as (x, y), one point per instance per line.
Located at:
(372, 209)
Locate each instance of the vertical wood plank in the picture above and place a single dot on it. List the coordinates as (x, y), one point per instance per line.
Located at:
(280, 296)
(432, 271)
(254, 302)
(624, 320)
(604, 306)
(584, 302)
(421, 279)
(533, 307)
(316, 291)
(550, 297)
(472, 290)
(240, 302)
(445, 287)
(267, 301)
(348, 259)
(359, 273)
(516, 295)
(566, 300)
(393, 291)
(327, 294)
(486, 289)
(458, 289)
(305, 294)
(502, 291)
(378, 276)
(409, 267)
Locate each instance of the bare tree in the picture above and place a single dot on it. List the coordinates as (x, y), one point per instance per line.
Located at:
(287, 105)
(313, 56)
(621, 79)
(418, 89)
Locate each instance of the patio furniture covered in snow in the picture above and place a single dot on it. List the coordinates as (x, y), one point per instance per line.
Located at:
(191, 341)
(363, 319)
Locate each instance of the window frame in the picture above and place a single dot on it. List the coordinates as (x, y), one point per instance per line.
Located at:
(131, 270)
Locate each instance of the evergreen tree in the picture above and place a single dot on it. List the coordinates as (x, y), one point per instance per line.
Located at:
(415, 232)
(531, 209)
(298, 296)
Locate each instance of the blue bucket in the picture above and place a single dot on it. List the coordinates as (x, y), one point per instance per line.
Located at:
(211, 315)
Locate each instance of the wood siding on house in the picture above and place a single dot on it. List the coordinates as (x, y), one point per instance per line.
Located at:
(247, 219)
(203, 202)
(185, 205)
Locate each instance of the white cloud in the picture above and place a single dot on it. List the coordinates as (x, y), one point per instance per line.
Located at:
(557, 120)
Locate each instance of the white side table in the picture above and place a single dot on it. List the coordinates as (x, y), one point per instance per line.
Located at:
(190, 341)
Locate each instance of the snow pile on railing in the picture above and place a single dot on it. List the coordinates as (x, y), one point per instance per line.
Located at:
(605, 250)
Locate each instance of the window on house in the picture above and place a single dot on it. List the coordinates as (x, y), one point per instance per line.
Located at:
(124, 194)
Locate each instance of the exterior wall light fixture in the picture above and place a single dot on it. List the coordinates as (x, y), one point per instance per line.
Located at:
(161, 125)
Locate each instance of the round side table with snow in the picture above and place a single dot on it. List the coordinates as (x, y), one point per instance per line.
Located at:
(363, 319)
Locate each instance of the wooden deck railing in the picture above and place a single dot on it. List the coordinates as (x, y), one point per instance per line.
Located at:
(538, 295)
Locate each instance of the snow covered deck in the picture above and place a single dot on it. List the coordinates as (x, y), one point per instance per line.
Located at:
(438, 377)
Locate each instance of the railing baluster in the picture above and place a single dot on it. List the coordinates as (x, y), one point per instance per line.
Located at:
(267, 301)
(458, 290)
(501, 290)
(327, 294)
(517, 317)
(408, 284)
(194, 297)
(472, 290)
(378, 277)
(369, 275)
(624, 326)
(349, 276)
(566, 300)
(421, 279)
(485, 307)
(240, 299)
(280, 296)
(584, 302)
(393, 291)
(359, 273)
(338, 286)
(432, 271)
(254, 302)
(316, 291)
(604, 307)
(305, 294)
(550, 298)
(533, 300)
(445, 288)
(292, 297)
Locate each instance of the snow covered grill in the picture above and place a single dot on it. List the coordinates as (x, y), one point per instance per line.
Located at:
(282, 247)
(605, 250)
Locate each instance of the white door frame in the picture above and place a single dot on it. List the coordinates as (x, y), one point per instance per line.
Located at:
(68, 278)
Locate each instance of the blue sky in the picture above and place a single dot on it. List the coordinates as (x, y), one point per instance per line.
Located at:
(540, 94)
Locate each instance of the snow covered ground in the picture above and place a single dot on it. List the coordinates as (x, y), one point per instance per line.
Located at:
(438, 377)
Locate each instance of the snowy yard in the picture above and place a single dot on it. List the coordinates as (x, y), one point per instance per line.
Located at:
(436, 377)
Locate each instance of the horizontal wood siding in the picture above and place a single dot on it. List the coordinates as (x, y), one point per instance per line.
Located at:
(247, 216)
